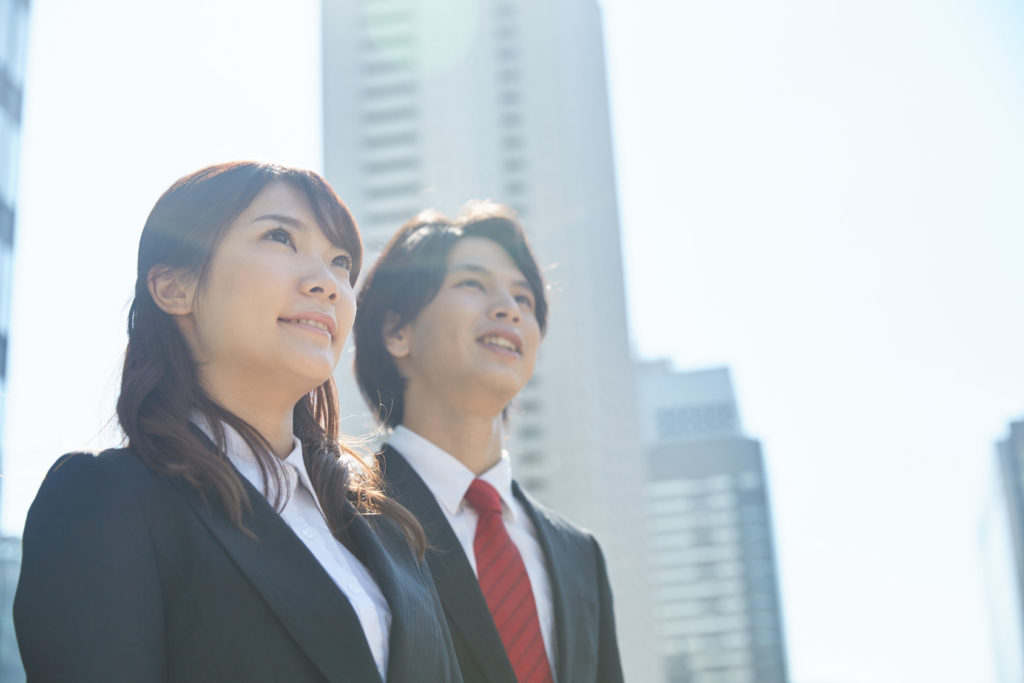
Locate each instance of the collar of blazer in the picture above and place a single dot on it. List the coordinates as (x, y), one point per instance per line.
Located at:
(291, 580)
(457, 585)
(564, 581)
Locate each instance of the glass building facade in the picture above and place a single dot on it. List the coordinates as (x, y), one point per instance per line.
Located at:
(717, 608)
(1002, 549)
(13, 36)
(13, 42)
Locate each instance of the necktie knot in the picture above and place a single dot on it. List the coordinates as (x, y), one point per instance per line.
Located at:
(483, 497)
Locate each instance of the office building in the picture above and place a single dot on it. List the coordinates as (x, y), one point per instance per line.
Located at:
(428, 105)
(13, 36)
(11, 670)
(717, 607)
(1002, 551)
(13, 41)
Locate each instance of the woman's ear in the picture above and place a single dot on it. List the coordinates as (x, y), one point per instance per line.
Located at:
(396, 339)
(173, 291)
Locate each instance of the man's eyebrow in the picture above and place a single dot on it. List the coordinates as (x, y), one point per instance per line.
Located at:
(475, 268)
(287, 220)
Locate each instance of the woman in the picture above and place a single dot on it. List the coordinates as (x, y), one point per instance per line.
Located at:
(234, 539)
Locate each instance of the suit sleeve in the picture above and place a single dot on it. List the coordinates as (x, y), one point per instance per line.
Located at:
(609, 667)
(89, 605)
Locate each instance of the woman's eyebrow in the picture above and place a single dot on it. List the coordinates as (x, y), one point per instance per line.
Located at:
(280, 218)
(470, 267)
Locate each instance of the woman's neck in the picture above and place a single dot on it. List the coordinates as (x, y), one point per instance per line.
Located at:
(271, 419)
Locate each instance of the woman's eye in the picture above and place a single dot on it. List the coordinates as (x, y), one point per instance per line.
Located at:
(280, 235)
(470, 282)
(344, 261)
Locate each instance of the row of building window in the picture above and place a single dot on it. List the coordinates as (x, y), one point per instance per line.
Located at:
(707, 624)
(692, 420)
(709, 640)
(671, 488)
(393, 217)
(389, 112)
(705, 587)
(720, 535)
(399, 139)
(509, 100)
(391, 42)
(388, 165)
(403, 88)
(696, 519)
(405, 113)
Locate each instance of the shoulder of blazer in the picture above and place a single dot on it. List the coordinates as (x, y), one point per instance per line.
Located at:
(113, 477)
(555, 525)
(477, 643)
(89, 581)
(586, 641)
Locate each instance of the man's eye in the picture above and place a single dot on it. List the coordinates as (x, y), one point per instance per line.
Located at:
(524, 300)
(470, 282)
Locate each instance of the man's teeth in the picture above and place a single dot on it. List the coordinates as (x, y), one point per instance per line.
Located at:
(500, 341)
(313, 323)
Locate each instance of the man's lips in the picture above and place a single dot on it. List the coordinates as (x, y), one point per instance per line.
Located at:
(504, 340)
(312, 320)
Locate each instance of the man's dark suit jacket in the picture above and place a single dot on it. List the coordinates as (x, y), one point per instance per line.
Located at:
(128, 575)
(586, 650)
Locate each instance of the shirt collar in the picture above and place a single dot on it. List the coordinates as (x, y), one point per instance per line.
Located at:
(293, 467)
(446, 477)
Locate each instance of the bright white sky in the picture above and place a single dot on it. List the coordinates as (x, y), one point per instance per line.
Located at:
(826, 196)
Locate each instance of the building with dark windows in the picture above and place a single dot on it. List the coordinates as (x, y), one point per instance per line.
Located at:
(717, 609)
(427, 105)
(1002, 550)
(13, 41)
(13, 36)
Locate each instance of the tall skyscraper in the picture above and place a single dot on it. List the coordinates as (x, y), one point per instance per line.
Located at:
(1002, 546)
(13, 37)
(718, 614)
(429, 105)
(13, 41)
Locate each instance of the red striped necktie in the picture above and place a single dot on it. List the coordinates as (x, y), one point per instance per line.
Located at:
(506, 587)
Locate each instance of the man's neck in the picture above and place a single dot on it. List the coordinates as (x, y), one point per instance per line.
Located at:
(473, 440)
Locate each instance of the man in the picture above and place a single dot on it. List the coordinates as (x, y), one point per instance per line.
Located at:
(448, 326)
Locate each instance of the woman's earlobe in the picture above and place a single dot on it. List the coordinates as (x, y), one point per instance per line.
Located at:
(173, 291)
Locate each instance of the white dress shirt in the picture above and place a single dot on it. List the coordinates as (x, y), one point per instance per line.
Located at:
(302, 512)
(448, 479)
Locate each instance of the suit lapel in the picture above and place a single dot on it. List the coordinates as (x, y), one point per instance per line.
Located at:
(560, 573)
(396, 581)
(454, 579)
(291, 580)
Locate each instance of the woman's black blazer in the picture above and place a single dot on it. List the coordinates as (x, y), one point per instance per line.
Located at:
(129, 575)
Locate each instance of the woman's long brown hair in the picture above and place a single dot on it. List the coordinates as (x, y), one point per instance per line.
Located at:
(160, 389)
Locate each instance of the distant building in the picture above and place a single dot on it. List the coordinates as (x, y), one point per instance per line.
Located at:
(427, 105)
(13, 36)
(1002, 545)
(718, 613)
(10, 565)
(13, 41)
